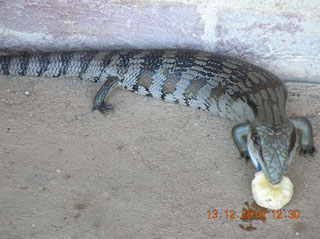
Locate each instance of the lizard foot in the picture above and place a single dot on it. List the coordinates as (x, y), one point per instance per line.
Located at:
(245, 155)
(103, 108)
(307, 149)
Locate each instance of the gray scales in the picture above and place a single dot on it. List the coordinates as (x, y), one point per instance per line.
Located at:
(211, 82)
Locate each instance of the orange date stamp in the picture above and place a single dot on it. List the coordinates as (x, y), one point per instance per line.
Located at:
(253, 214)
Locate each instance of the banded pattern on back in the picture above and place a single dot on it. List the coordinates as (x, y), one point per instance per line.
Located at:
(228, 87)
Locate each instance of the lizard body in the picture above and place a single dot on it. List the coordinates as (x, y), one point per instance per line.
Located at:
(215, 83)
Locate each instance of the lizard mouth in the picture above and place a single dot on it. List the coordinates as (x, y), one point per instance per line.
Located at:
(274, 177)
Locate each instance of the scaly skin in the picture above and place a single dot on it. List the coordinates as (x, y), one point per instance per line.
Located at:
(222, 85)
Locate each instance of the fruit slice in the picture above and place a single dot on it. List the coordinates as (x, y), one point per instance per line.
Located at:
(271, 196)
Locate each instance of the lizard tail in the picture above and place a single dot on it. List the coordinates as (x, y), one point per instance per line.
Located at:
(65, 64)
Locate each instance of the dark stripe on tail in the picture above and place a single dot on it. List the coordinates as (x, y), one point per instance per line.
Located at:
(85, 61)
(44, 61)
(65, 59)
(24, 63)
(5, 63)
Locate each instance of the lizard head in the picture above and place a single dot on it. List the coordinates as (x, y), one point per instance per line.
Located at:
(272, 148)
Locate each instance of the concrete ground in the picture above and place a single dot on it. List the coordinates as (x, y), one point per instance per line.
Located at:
(149, 170)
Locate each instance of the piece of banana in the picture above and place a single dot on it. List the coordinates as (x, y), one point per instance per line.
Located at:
(271, 196)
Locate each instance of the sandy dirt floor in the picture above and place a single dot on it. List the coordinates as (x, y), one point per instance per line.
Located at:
(149, 170)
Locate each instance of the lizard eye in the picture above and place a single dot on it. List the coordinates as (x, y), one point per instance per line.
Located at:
(256, 140)
(255, 137)
(292, 141)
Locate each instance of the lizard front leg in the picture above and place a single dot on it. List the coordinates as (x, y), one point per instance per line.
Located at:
(238, 132)
(304, 125)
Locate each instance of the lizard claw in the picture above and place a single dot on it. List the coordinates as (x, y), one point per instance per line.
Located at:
(103, 108)
(245, 155)
(308, 149)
